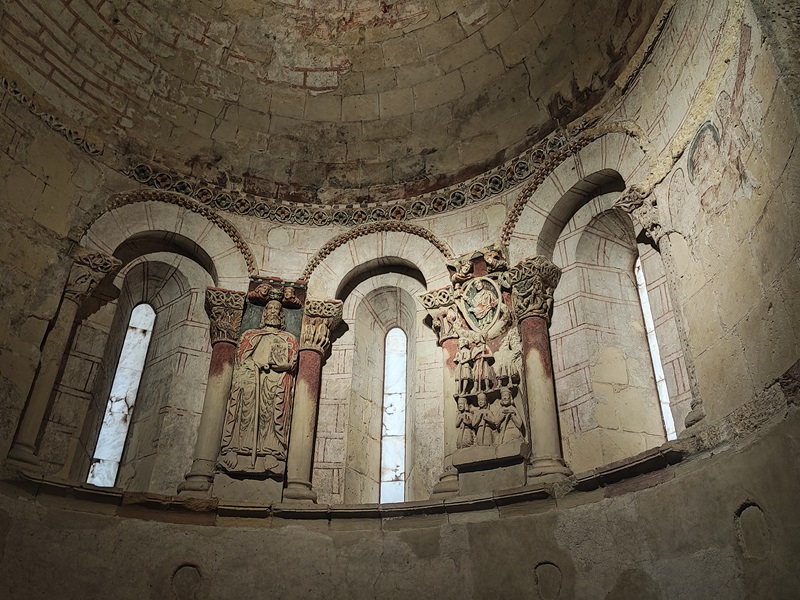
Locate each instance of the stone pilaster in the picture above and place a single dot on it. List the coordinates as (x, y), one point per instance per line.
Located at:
(225, 309)
(320, 317)
(87, 270)
(533, 282)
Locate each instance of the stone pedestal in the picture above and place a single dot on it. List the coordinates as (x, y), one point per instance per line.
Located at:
(225, 309)
(259, 492)
(87, 271)
(483, 469)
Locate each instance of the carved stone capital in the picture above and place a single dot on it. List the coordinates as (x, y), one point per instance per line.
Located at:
(319, 318)
(533, 282)
(88, 269)
(225, 309)
(642, 208)
(440, 305)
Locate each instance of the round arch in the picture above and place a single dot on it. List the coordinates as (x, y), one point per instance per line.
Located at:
(604, 161)
(352, 254)
(160, 220)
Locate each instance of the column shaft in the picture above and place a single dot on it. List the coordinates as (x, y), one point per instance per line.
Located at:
(547, 457)
(24, 448)
(225, 309)
(319, 318)
(88, 269)
(304, 420)
(209, 433)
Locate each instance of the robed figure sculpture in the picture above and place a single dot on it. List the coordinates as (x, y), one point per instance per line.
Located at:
(259, 413)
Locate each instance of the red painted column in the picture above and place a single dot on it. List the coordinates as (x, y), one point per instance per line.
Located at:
(319, 318)
(534, 281)
(225, 309)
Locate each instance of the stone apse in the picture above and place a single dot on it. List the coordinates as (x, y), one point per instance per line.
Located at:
(584, 225)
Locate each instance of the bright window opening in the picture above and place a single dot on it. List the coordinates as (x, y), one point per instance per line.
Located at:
(655, 355)
(393, 432)
(111, 441)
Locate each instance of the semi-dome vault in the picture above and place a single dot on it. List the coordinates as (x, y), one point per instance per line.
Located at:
(304, 100)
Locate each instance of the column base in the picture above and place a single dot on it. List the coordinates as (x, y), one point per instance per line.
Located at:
(448, 485)
(695, 416)
(196, 485)
(547, 467)
(300, 492)
(23, 456)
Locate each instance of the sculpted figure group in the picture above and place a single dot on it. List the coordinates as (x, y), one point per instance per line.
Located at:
(485, 425)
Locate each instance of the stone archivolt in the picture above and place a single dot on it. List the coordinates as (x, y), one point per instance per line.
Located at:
(369, 229)
(133, 197)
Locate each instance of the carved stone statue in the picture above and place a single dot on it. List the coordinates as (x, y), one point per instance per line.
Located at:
(484, 422)
(482, 304)
(466, 435)
(510, 426)
(482, 371)
(258, 417)
(463, 358)
(508, 358)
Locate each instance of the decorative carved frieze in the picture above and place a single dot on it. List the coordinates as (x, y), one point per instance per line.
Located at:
(225, 309)
(73, 137)
(535, 163)
(88, 269)
(533, 282)
(436, 299)
(319, 318)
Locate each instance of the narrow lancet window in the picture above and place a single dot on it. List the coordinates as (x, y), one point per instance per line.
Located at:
(111, 441)
(655, 354)
(393, 431)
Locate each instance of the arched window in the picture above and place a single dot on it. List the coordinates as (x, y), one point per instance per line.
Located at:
(393, 430)
(655, 354)
(128, 375)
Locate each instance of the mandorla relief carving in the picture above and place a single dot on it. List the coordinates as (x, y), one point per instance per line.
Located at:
(488, 362)
(256, 429)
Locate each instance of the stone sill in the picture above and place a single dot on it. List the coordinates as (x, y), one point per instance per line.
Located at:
(209, 511)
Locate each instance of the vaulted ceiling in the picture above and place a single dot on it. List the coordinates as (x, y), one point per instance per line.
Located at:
(320, 100)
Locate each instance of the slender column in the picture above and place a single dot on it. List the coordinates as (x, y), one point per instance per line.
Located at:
(319, 318)
(440, 306)
(88, 269)
(642, 208)
(533, 282)
(225, 309)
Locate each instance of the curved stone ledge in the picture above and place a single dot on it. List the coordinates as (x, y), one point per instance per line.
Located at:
(175, 509)
(644, 470)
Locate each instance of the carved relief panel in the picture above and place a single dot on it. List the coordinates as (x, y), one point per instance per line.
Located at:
(476, 313)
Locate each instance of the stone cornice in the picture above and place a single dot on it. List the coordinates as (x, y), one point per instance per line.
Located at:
(73, 136)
